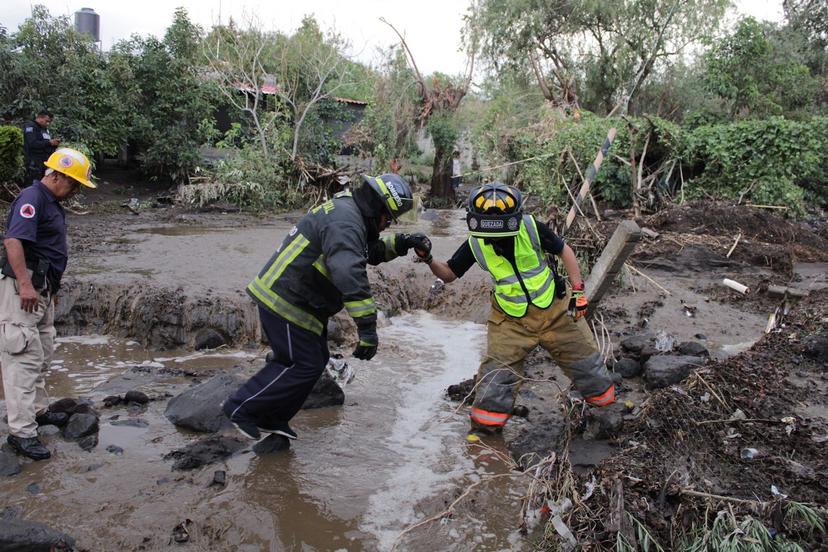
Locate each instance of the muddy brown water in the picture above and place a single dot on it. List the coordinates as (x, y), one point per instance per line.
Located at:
(356, 478)
(359, 475)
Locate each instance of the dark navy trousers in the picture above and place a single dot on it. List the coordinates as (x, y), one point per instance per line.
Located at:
(277, 391)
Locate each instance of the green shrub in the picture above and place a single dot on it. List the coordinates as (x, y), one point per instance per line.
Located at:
(11, 154)
(769, 161)
(249, 180)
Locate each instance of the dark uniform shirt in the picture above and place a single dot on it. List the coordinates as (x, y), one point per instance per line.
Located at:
(463, 258)
(36, 146)
(39, 222)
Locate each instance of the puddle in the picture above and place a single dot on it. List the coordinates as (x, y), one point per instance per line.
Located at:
(358, 476)
(178, 230)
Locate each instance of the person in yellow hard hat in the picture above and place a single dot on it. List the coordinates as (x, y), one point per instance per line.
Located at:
(529, 308)
(31, 268)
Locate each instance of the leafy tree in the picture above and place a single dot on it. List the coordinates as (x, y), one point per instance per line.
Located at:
(753, 74)
(612, 47)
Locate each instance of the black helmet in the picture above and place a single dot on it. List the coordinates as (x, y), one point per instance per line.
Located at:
(494, 210)
(393, 192)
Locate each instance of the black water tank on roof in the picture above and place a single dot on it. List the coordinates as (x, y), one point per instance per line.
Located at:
(88, 22)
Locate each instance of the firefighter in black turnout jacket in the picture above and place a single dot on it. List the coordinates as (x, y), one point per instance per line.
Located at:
(320, 266)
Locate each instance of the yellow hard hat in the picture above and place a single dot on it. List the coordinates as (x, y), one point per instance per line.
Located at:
(73, 164)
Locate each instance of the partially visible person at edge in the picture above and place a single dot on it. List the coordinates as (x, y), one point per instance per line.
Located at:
(455, 170)
(32, 265)
(38, 145)
(320, 266)
(526, 310)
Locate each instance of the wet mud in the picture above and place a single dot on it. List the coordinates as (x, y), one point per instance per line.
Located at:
(144, 310)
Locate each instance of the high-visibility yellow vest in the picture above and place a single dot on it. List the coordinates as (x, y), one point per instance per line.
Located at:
(531, 264)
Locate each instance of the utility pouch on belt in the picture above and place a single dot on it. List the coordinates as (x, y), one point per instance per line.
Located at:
(39, 268)
(560, 281)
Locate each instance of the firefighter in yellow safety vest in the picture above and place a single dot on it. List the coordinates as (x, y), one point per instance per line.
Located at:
(526, 311)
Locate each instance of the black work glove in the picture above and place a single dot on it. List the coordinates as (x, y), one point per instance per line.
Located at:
(368, 341)
(418, 241)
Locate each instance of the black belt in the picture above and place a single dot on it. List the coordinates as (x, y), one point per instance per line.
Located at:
(39, 268)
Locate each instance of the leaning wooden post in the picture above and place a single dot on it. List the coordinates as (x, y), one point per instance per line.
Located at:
(592, 173)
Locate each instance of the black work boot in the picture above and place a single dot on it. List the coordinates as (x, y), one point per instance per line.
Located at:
(59, 419)
(278, 428)
(29, 446)
(245, 425)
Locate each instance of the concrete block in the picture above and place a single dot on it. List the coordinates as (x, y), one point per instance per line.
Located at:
(619, 247)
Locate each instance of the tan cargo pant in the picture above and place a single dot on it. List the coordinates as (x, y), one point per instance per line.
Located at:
(27, 341)
(509, 340)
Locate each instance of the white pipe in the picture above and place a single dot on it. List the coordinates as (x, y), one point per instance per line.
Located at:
(735, 285)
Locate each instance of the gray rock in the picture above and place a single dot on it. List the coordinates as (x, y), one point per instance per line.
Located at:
(816, 346)
(115, 449)
(201, 453)
(604, 423)
(693, 348)
(534, 441)
(635, 343)
(219, 478)
(272, 443)
(627, 367)
(18, 535)
(33, 488)
(326, 392)
(209, 338)
(80, 425)
(88, 442)
(665, 370)
(648, 351)
(199, 408)
(9, 463)
(131, 422)
(47, 430)
(136, 396)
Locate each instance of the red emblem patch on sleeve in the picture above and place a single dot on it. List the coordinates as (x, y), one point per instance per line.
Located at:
(27, 210)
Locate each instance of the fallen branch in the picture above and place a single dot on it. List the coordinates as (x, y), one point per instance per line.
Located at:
(766, 206)
(729, 253)
(659, 286)
(720, 497)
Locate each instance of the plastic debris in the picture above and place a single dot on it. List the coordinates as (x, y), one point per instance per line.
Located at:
(340, 370)
(790, 426)
(664, 342)
(749, 453)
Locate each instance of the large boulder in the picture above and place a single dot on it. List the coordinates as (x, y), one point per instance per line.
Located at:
(634, 344)
(627, 367)
(199, 408)
(17, 535)
(666, 370)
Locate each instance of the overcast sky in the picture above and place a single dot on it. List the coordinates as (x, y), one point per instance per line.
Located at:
(431, 27)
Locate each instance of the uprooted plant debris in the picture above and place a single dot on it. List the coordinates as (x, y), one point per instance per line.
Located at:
(731, 459)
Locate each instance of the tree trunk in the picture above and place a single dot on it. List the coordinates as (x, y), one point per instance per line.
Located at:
(441, 174)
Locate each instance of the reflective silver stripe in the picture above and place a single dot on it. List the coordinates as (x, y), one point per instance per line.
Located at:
(541, 290)
(525, 275)
(364, 310)
(479, 255)
(534, 239)
(518, 299)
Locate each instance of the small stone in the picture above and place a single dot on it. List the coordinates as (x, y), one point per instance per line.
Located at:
(635, 343)
(88, 442)
(137, 397)
(131, 422)
(520, 411)
(749, 453)
(114, 449)
(80, 425)
(692, 348)
(219, 478)
(112, 400)
(665, 370)
(628, 367)
(33, 488)
(209, 338)
(48, 430)
(604, 423)
(64, 405)
(700, 336)
(9, 463)
(273, 443)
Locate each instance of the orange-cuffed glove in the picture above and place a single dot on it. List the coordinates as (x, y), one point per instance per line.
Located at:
(578, 302)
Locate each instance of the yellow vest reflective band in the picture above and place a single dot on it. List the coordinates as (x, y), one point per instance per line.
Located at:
(531, 264)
